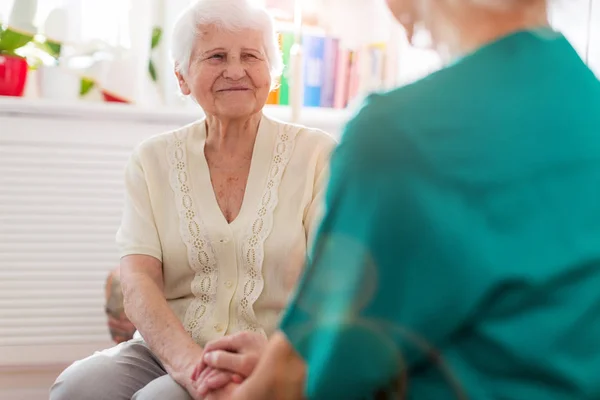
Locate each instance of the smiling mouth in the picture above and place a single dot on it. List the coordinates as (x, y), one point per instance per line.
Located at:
(233, 90)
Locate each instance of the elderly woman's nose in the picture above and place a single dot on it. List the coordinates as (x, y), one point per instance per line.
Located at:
(234, 69)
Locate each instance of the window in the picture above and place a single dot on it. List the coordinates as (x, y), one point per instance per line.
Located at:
(106, 20)
(4, 9)
(43, 9)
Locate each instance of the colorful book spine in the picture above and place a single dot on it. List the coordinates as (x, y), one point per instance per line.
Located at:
(375, 74)
(275, 93)
(329, 71)
(334, 76)
(342, 78)
(314, 61)
(354, 76)
(287, 41)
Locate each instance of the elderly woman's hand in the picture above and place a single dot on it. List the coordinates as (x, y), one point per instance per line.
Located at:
(226, 393)
(229, 359)
(213, 380)
(121, 329)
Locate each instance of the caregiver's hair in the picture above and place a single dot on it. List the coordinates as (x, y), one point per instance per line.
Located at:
(499, 5)
(448, 20)
(503, 5)
(229, 15)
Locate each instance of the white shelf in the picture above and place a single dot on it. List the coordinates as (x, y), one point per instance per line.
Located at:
(84, 110)
(312, 117)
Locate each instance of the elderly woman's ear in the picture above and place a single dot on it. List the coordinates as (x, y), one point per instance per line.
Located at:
(183, 86)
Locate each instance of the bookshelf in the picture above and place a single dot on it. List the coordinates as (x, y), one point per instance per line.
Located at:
(335, 52)
(349, 48)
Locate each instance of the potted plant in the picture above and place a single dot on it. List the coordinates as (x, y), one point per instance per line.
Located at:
(56, 80)
(17, 33)
(13, 68)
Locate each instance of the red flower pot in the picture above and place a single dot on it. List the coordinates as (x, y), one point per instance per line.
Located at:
(113, 98)
(13, 75)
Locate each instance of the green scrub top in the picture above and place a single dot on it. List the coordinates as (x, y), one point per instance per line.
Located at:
(460, 250)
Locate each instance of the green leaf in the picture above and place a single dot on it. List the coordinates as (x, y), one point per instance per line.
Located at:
(11, 40)
(156, 36)
(49, 47)
(53, 48)
(152, 70)
(87, 84)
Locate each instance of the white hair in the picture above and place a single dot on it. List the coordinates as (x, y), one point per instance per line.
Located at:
(231, 15)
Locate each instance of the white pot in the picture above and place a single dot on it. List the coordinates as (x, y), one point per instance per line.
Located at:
(22, 15)
(59, 83)
(56, 26)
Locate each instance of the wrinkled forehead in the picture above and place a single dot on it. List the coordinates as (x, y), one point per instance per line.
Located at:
(211, 37)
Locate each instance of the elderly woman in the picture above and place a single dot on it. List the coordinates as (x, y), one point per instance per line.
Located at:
(217, 217)
(460, 253)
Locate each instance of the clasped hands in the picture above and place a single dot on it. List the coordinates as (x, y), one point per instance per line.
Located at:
(227, 362)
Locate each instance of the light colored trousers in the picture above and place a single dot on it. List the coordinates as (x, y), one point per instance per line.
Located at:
(129, 371)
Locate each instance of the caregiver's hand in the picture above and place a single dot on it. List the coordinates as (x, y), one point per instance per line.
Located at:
(280, 374)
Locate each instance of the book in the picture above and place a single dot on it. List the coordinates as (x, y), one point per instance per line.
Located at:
(354, 76)
(275, 93)
(329, 71)
(287, 41)
(342, 75)
(314, 54)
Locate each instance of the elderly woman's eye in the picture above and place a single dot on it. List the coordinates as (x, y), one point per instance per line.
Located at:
(250, 56)
(217, 56)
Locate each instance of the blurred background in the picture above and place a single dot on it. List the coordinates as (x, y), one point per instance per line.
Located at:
(83, 81)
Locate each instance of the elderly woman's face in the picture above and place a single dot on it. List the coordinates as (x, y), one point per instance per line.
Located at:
(228, 72)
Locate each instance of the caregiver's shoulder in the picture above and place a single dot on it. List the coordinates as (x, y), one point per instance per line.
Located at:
(395, 111)
(385, 120)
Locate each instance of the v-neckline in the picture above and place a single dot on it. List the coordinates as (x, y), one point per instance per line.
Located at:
(257, 175)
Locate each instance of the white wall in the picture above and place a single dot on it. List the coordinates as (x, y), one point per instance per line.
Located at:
(579, 20)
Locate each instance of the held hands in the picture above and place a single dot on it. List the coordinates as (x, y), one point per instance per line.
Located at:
(228, 360)
(182, 373)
